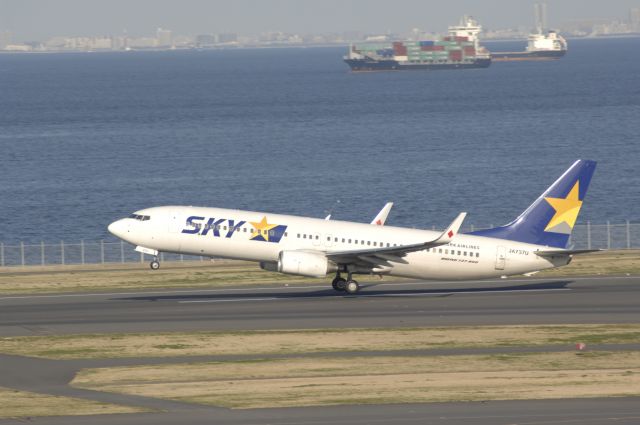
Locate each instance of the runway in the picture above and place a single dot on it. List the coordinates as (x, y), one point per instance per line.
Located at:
(513, 301)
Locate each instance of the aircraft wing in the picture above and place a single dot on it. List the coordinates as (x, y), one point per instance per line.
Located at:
(382, 215)
(395, 253)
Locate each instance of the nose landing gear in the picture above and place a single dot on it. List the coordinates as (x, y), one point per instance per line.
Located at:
(154, 264)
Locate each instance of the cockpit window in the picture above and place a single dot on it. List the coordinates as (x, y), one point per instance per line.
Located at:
(140, 217)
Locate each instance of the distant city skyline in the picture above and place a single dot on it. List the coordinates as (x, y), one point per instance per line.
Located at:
(40, 20)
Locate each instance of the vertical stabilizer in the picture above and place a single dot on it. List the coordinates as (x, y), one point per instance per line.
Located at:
(550, 219)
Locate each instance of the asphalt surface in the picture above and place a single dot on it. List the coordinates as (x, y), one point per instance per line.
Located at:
(517, 301)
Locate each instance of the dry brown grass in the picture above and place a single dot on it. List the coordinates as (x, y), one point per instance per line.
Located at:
(220, 273)
(137, 276)
(20, 404)
(605, 263)
(311, 341)
(329, 381)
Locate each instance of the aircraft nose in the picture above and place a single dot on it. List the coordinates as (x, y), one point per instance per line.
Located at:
(117, 228)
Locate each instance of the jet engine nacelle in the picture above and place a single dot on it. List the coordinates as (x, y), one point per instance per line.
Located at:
(305, 263)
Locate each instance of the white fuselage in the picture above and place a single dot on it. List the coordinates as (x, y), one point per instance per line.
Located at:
(231, 234)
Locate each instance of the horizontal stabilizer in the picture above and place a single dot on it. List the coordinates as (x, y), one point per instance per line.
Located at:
(554, 252)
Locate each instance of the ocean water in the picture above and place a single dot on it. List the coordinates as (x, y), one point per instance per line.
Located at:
(88, 138)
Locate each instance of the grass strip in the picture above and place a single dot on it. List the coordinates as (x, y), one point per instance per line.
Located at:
(380, 379)
(139, 277)
(224, 273)
(21, 404)
(279, 342)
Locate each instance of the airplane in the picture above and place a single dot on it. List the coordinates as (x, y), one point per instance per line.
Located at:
(314, 247)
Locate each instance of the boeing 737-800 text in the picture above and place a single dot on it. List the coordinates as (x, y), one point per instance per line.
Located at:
(314, 247)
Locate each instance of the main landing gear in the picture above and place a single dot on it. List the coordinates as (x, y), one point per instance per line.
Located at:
(349, 285)
(154, 264)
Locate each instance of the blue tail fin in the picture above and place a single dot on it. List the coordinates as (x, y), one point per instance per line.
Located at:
(550, 219)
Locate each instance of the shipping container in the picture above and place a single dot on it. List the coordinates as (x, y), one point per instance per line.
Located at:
(469, 51)
(455, 55)
(399, 50)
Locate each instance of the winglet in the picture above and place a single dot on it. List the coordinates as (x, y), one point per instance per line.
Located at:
(452, 230)
(382, 215)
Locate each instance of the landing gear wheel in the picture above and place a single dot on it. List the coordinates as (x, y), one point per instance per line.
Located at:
(352, 287)
(339, 284)
(155, 265)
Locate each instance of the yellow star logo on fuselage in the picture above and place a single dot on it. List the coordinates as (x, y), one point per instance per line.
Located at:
(262, 229)
(567, 210)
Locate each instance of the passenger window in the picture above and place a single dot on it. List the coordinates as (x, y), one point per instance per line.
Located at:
(362, 242)
(298, 235)
(285, 234)
(388, 244)
(440, 250)
(477, 254)
(336, 240)
(317, 237)
(328, 239)
(304, 236)
(349, 240)
(369, 243)
(458, 252)
(342, 240)
(272, 232)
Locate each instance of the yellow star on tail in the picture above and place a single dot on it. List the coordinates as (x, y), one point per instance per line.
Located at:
(262, 229)
(567, 209)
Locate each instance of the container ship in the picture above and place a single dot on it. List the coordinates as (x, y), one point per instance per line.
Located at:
(460, 49)
(542, 44)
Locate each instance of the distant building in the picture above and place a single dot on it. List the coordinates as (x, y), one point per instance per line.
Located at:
(5, 39)
(143, 43)
(206, 40)
(18, 48)
(634, 19)
(229, 37)
(119, 42)
(164, 38)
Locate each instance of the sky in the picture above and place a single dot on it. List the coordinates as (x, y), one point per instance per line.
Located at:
(41, 19)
